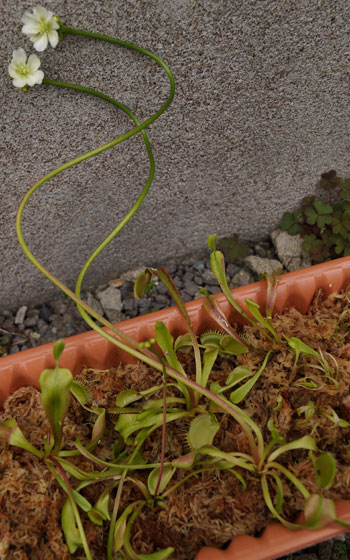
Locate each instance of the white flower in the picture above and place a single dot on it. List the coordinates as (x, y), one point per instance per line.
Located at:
(41, 26)
(25, 72)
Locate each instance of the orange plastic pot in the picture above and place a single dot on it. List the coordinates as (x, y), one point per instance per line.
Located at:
(295, 289)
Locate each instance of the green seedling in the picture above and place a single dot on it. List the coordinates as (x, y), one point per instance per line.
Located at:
(318, 213)
(325, 228)
(233, 248)
(55, 394)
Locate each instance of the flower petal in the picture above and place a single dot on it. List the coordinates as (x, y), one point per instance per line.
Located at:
(33, 63)
(40, 42)
(19, 82)
(53, 38)
(19, 56)
(28, 18)
(12, 70)
(35, 78)
(40, 12)
(30, 28)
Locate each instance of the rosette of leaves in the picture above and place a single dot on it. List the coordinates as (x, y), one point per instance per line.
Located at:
(325, 228)
(233, 248)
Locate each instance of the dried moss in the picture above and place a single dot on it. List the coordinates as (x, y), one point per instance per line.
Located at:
(209, 508)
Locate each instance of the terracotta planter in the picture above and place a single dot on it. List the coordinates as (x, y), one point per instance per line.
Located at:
(294, 289)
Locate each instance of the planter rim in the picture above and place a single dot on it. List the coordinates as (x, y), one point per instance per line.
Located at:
(192, 307)
(24, 368)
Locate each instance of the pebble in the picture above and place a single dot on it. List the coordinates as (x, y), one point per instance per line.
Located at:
(242, 278)
(261, 265)
(94, 303)
(21, 313)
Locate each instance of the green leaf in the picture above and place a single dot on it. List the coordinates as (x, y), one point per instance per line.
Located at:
(322, 208)
(306, 442)
(153, 478)
(11, 432)
(212, 339)
(70, 528)
(239, 394)
(158, 403)
(212, 241)
(209, 358)
(183, 341)
(279, 400)
(166, 343)
(279, 496)
(129, 423)
(300, 347)
(127, 397)
(202, 430)
(55, 397)
(233, 248)
(58, 348)
(55, 387)
(292, 222)
(311, 215)
(82, 502)
(271, 507)
(142, 283)
(225, 343)
(309, 242)
(213, 308)
(254, 309)
(231, 347)
(102, 505)
(80, 392)
(236, 375)
(100, 424)
(304, 383)
(325, 469)
(319, 511)
(185, 461)
(277, 438)
(120, 528)
(164, 554)
(309, 410)
(323, 221)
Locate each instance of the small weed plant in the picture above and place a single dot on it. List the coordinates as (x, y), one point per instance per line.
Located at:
(325, 227)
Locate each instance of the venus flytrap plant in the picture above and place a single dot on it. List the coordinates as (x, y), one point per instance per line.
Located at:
(55, 395)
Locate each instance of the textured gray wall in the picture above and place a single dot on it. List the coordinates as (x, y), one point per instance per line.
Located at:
(261, 109)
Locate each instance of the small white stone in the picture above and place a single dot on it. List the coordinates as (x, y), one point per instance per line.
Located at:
(111, 301)
(20, 315)
(94, 303)
(260, 265)
(290, 250)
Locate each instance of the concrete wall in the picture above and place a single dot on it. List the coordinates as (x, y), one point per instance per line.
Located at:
(261, 109)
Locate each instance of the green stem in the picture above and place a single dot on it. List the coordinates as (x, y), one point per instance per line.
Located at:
(73, 504)
(169, 284)
(29, 254)
(116, 504)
